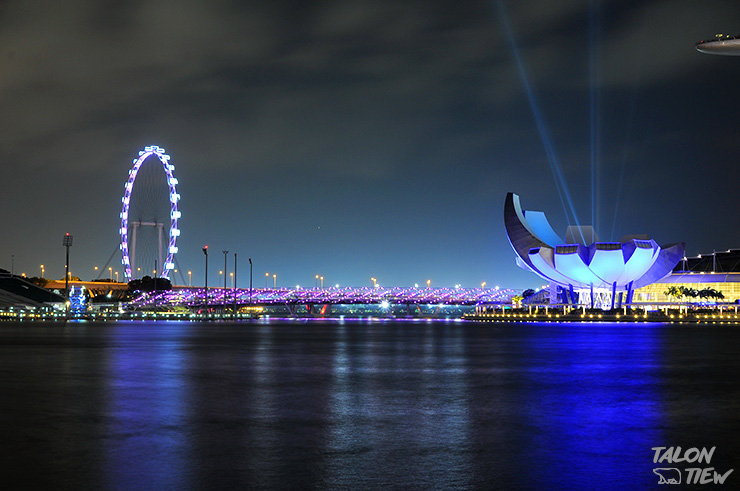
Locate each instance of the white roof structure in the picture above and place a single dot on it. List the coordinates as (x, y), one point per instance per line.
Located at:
(585, 264)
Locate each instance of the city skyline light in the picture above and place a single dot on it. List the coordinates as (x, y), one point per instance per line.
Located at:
(362, 143)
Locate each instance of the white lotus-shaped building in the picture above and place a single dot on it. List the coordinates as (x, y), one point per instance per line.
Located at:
(585, 270)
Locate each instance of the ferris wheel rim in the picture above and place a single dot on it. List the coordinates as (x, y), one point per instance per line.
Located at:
(174, 197)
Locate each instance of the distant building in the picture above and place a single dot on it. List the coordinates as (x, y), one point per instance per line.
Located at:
(17, 292)
(719, 270)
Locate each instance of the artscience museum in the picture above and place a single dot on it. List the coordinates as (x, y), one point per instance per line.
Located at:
(580, 268)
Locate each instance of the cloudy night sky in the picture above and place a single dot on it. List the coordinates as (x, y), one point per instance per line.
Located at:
(357, 139)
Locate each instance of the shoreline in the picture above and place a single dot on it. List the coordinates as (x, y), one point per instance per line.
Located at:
(652, 317)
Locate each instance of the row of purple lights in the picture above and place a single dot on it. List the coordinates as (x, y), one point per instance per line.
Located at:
(347, 295)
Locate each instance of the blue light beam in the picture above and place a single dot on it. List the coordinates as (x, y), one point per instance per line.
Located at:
(595, 110)
(542, 128)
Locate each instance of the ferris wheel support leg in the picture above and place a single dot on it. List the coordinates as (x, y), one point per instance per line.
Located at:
(159, 256)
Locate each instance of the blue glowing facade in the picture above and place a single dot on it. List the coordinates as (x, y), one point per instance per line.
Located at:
(596, 272)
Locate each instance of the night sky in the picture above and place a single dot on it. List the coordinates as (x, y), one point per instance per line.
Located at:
(358, 139)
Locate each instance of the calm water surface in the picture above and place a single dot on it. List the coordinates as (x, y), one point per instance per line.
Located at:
(362, 404)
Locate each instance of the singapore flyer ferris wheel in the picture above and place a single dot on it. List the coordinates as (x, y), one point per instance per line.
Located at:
(149, 205)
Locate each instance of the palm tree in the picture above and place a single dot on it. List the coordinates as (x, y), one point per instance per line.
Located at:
(688, 292)
(673, 291)
(714, 293)
(711, 293)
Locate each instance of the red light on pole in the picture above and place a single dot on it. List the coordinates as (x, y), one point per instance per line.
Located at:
(67, 242)
(205, 251)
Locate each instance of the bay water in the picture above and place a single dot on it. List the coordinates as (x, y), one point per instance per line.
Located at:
(363, 404)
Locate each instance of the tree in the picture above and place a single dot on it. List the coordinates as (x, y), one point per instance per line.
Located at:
(42, 282)
(528, 293)
(681, 292)
(688, 292)
(673, 291)
(711, 293)
(149, 284)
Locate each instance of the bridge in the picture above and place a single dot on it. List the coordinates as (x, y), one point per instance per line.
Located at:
(323, 298)
(94, 287)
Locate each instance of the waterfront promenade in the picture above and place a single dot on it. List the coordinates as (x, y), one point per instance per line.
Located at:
(567, 315)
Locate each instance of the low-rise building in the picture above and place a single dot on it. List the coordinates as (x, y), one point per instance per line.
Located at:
(719, 270)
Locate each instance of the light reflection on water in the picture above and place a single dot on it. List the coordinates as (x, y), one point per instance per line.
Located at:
(597, 411)
(146, 412)
(361, 404)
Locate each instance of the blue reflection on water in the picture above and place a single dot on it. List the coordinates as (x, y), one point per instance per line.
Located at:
(561, 407)
(365, 404)
(147, 409)
(594, 410)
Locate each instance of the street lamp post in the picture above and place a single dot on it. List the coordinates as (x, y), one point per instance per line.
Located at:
(205, 251)
(274, 281)
(67, 242)
(233, 285)
(322, 282)
(110, 268)
(224, 309)
(42, 270)
(250, 281)
(155, 285)
(267, 275)
(190, 278)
